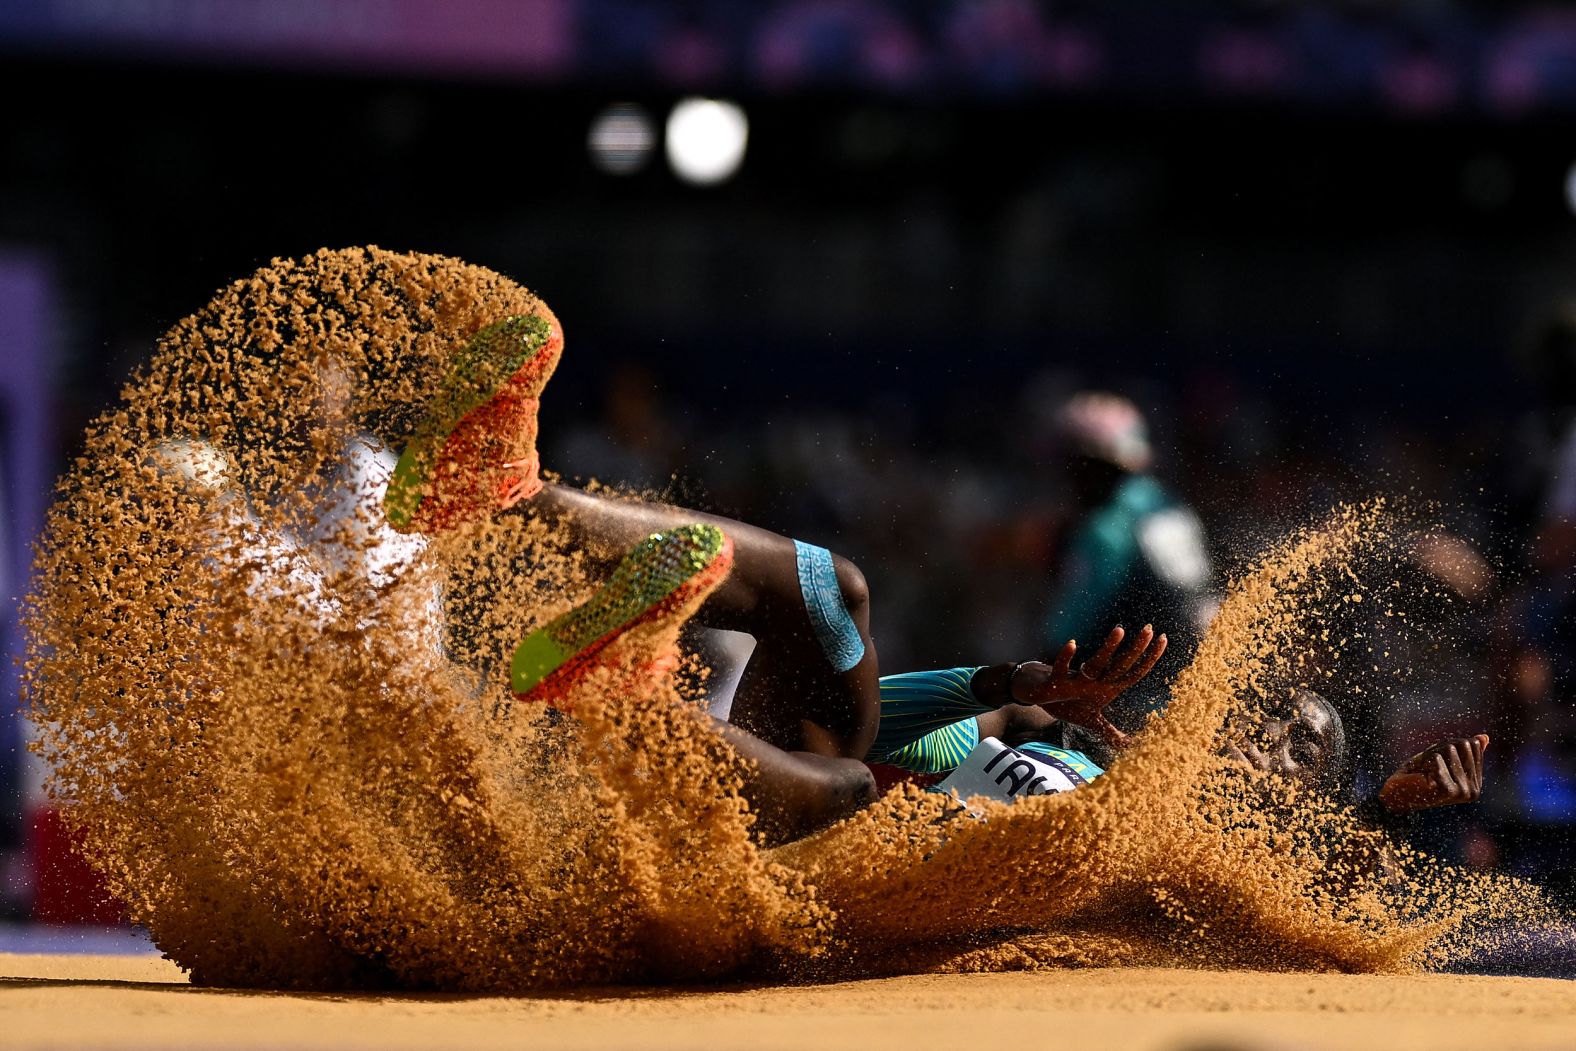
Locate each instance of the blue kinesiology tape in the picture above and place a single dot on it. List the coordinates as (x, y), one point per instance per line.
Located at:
(823, 599)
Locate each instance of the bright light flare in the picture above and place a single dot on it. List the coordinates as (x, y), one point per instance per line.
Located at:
(706, 140)
(621, 139)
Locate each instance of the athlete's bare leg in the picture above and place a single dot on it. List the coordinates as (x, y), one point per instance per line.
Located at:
(793, 794)
(790, 696)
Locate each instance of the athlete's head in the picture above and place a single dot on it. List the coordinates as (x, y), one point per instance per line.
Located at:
(1105, 427)
(1104, 439)
(1300, 736)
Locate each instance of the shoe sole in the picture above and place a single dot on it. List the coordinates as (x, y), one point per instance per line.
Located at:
(509, 352)
(661, 575)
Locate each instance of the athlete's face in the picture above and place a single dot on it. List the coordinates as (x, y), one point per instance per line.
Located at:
(1295, 738)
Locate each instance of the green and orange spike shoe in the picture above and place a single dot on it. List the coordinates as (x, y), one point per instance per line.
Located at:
(666, 575)
(475, 451)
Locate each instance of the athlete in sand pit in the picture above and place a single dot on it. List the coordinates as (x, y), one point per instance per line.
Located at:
(1301, 737)
(808, 707)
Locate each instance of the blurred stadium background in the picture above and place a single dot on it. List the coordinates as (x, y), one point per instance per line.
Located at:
(1326, 247)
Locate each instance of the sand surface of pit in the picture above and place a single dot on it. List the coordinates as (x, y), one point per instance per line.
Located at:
(121, 1002)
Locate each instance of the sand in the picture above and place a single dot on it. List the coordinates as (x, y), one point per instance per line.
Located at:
(123, 1003)
(293, 784)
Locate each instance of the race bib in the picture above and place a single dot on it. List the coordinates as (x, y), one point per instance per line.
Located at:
(997, 771)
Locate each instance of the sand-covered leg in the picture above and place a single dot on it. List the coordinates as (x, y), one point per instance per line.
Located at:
(475, 450)
(667, 575)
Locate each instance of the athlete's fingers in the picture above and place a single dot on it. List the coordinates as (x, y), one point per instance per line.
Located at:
(1458, 771)
(1422, 762)
(1129, 654)
(1473, 752)
(1442, 779)
(1460, 754)
(1253, 754)
(513, 492)
(1095, 666)
(1147, 665)
(1469, 762)
(1245, 751)
(1132, 646)
(1108, 730)
(1064, 661)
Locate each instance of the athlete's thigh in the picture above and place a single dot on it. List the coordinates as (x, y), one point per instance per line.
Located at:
(792, 697)
(793, 793)
(769, 699)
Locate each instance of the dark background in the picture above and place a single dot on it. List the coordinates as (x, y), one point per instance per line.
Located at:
(1313, 241)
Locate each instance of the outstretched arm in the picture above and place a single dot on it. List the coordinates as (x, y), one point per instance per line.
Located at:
(1445, 774)
(1078, 696)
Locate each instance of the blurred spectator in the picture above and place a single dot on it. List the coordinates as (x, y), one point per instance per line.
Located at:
(1137, 554)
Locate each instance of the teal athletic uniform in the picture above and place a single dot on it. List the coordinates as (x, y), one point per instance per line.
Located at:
(1141, 551)
(1140, 558)
(930, 723)
(1137, 560)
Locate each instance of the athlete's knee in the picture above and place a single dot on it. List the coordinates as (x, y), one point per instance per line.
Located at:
(847, 786)
(851, 582)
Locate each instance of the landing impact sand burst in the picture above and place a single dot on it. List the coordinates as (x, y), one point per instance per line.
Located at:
(287, 736)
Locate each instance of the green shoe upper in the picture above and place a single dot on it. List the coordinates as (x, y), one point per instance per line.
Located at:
(657, 567)
(476, 376)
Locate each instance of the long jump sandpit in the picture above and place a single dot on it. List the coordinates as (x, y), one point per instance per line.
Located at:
(118, 1002)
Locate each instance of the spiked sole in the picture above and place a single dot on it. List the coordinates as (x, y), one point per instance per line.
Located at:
(663, 573)
(498, 355)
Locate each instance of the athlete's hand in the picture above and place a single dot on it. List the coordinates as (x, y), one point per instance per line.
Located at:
(1448, 773)
(1081, 696)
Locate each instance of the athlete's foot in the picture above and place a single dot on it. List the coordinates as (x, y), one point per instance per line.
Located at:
(474, 452)
(667, 576)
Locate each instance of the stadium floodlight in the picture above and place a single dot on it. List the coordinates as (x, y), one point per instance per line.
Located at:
(621, 139)
(706, 139)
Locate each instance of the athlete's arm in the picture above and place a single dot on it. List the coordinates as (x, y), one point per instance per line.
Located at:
(1016, 723)
(1445, 774)
(1078, 696)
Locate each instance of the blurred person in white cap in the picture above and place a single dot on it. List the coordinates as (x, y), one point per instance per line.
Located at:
(1134, 553)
